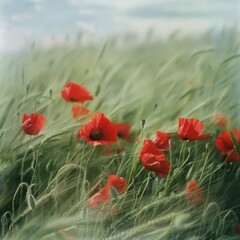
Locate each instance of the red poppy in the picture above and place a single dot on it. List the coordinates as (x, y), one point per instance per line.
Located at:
(103, 195)
(123, 130)
(193, 192)
(33, 123)
(153, 159)
(99, 131)
(161, 140)
(73, 92)
(191, 129)
(226, 146)
(79, 111)
(100, 197)
(220, 119)
(117, 182)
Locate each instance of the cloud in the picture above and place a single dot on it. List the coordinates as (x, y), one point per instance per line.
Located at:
(86, 11)
(3, 2)
(187, 9)
(24, 36)
(20, 18)
(119, 5)
(86, 27)
(38, 1)
(3, 24)
(3, 27)
(74, 2)
(38, 7)
(164, 27)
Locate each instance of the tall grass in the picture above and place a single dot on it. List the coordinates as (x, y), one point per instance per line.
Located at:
(46, 180)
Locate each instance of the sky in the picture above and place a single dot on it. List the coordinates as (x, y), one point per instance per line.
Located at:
(48, 22)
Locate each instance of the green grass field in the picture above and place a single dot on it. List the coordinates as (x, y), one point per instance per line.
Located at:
(46, 180)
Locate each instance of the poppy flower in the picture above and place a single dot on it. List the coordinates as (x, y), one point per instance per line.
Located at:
(100, 197)
(73, 92)
(193, 192)
(191, 129)
(225, 145)
(119, 183)
(154, 159)
(33, 123)
(161, 140)
(123, 130)
(104, 195)
(220, 119)
(79, 111)
(99, 131)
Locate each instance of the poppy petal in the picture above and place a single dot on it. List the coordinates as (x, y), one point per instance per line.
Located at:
(79, 111)
(191, 129)
(99, 131)
(119, 183)
(161, 140)
(33, 123)
(193, 192)
(225, 145)
(98, 198)
(73, 92)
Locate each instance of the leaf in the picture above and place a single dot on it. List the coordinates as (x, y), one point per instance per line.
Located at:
(113, 193)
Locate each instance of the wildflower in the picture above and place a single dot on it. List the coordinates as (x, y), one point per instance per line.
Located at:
(33, 123)
(191, 129)
(104, 194)
(193, 192)
(154, 159)
(225, 145)
(79, 111)
(119, 183)
(99, 131)
(73, 92)
(220, 119)
(123, 130)
(161, 140)
(100, 197)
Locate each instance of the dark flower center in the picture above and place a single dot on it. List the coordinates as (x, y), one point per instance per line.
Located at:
(73, 99)
(96, 134)
(119, 135)
(185, 138)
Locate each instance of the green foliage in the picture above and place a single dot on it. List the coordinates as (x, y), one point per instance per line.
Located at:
(46, 180)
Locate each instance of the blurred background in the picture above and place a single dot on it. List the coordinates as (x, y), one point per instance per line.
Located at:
(59, 22)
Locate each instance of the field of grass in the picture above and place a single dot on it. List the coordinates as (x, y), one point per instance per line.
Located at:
(46, 180)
